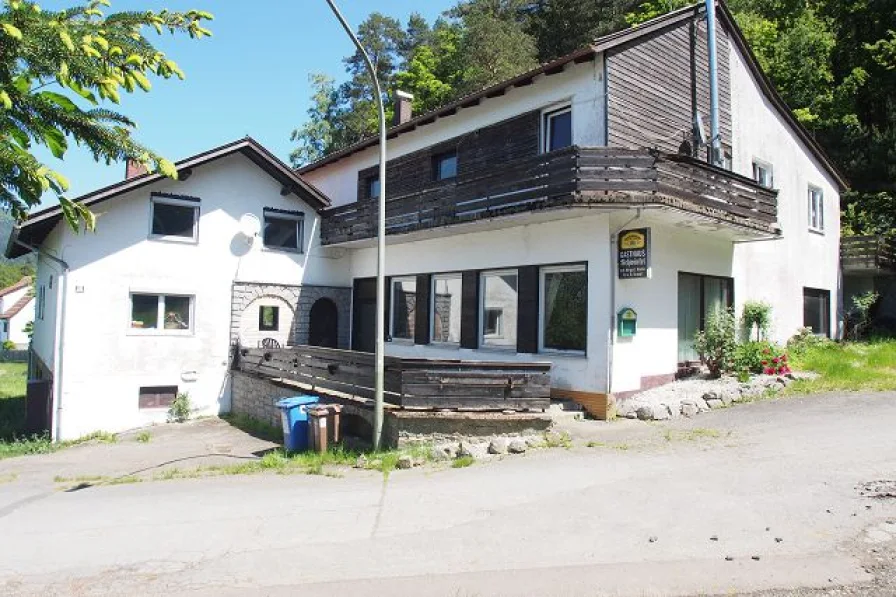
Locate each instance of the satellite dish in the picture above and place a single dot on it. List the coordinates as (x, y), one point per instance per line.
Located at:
(250, 225)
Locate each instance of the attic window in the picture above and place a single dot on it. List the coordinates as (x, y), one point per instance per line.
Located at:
(174, 218)
(283, 230)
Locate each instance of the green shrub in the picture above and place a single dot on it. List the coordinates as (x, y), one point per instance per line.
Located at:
(858, 318)
(717, 342)
(9, 345)
(756, 316)
(180, 408)
(805, 339)
(749, 356)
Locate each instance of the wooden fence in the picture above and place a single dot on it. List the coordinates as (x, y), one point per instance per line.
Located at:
(868, 252)
(412, 383)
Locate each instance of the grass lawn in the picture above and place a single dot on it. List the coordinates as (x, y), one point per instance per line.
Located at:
(12, 399)
(849, 366)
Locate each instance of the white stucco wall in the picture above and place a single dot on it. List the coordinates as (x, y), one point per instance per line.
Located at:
(582, 239)
(42, 341)
(105, 361)
(582, 85)
(777, 271)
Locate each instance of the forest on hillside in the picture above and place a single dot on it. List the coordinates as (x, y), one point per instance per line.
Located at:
(833, 61)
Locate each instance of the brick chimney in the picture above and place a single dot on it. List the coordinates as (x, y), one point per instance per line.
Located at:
(134, 169)
(403, 107)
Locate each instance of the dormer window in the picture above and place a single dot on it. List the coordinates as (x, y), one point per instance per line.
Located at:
(557, 129)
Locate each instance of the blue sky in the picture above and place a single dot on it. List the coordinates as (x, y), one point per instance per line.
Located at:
(249, 78)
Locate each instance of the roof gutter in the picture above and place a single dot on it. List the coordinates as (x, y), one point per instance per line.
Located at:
(58, 336)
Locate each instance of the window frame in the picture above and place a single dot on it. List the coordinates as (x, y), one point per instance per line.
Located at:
(140, 392)
(160, 330)
(176, 201)
(766, 167)
(812, 193)
(392, 295)
(275, 327)
(559, 269)
(282, 214)
(41, 302)
(437, 159)
(546, 116)
(809, 292)
(482, 309)
(368, 186)
(432, 307)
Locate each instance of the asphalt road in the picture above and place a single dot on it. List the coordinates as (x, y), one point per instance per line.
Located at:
(765, 499)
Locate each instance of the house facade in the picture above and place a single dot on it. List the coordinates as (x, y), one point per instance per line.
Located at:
(17, 309)
(566, 215)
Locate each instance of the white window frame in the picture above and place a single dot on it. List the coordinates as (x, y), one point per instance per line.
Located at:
(300, 232)
(768, 168)
(160, 314)
(549, 113)
(483, 337)
(559, 269)
(162, 200)
(816, 208)
(392, 283)
(432, 307)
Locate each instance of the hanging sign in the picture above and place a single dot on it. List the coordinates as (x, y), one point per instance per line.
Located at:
(633, 254)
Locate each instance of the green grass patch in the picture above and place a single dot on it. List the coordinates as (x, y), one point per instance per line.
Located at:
(850, 366)
(144, 437)
(12, 400)
(691, 435)
(41, 444)
(596, 445)
(463, 462)
(254, 427)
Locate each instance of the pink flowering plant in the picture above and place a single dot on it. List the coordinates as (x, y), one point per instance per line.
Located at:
(761, 358)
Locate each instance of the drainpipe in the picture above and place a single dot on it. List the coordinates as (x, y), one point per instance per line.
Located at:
(715, 156)
(56, 428)
(611, 335)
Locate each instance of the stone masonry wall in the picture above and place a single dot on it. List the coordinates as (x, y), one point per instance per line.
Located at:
(301, 299)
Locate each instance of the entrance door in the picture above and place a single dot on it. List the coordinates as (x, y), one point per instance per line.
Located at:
(698, 296)
(324, 324)
(364, 315)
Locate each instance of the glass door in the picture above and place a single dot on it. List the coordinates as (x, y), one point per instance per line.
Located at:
(698, 296)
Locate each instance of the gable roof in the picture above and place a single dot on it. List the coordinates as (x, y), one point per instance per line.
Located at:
(24, 282)
(17, 307)
(588, 53)
(39, 224)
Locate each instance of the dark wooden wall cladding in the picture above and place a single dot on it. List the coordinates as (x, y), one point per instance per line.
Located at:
(649, 87)
(480, 149)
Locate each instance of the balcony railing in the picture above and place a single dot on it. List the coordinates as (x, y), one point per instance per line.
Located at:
(868, 253)
(572, 177)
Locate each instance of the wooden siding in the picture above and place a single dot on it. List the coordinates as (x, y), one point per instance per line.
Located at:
(868, 253)
(649, 88)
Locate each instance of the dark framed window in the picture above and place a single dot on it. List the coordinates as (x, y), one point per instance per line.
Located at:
(174, 218)
(404, 308)
(373, 187)
(498, 308)
(156, 396)
(171, 313)
(817, 311)
(284, 230)
(444, 165)
(268, 318)
(564, 308)
(557, 129)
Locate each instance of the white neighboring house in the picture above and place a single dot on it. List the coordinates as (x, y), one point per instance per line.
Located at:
(143, 309)
(17, 304)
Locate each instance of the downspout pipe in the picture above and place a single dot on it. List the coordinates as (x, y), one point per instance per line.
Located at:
(58, 338)
(611, 330)
(715, 157)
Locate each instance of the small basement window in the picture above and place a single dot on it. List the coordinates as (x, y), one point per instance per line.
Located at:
(557, 129)
(284, 230)
(174, 218)
(170, 313)
(156, 396)
(444, 165)
(268, 318)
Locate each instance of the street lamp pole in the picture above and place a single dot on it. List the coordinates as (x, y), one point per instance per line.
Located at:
(381, 240)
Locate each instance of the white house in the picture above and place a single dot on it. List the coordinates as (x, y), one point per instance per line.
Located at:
(565, 215)
(16, 311)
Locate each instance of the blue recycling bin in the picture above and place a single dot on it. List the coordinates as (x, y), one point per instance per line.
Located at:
(294, 416)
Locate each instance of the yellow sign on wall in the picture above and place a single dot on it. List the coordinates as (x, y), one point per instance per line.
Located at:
(633, 253)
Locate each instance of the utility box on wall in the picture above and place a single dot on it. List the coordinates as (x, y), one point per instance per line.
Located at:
(627, 323)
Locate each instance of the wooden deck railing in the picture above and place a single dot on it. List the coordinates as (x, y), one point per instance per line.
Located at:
(414, 383)
(867, 253)
(564, 178)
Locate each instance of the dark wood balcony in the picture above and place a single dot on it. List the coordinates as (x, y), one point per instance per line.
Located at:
(572, 177)
(870, 254)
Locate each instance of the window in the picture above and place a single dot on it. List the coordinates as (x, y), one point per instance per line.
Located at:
(171, 313)
(268, 318)
(156, 396)
(444, 165)
(817, 311)
(404, 308)
(446, 301)
(557, 129)
(174, 218)
(373, 187)
(5, 326)
(283, 229)
(698, 296)
(564, 306)
(816, 209)
(41, 302)
(762, 174)
(499, 300)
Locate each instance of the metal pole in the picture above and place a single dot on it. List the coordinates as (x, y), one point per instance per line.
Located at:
(715, 156)
(381, 241)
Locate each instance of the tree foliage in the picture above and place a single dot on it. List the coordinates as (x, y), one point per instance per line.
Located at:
(58, 72)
